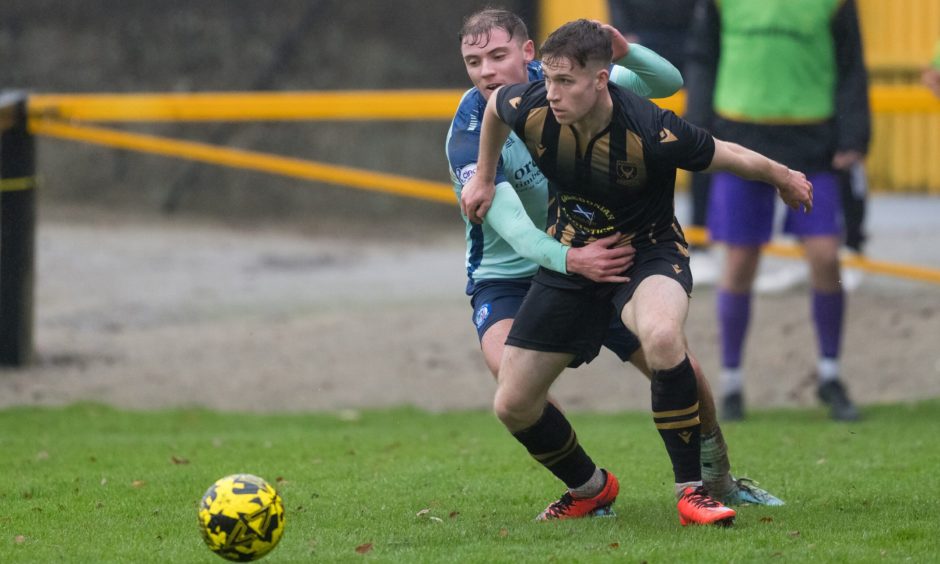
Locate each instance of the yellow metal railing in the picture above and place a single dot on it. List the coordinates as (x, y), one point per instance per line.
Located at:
(249, 160)
(62, 116)
(344, 106)
(250, 106)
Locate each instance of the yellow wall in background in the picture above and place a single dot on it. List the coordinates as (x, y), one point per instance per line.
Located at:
(899, 38)
(899, 35)
(553, 13)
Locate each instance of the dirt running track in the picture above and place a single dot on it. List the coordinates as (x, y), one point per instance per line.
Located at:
(150, 312)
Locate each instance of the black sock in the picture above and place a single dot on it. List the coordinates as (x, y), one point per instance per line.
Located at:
(553, 443)
(675, 412)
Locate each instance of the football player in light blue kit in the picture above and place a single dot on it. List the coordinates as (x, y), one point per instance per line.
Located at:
(506, 250)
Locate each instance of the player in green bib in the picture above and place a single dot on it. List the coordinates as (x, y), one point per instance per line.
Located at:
(786, 78)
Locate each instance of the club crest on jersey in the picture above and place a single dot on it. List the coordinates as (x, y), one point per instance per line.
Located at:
(465, 173)
(481, 315)
(625, 172)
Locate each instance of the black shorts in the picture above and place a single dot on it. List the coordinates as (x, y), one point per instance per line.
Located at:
(571, 314)
(620, 340)
(495, 300)
(557, 316)
(668, 259)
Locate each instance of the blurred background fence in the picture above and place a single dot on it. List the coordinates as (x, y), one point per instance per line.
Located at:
(51, 46)
(360, 92)
(899, 38)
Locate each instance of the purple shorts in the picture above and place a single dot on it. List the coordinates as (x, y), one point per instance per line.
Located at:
(741, 212)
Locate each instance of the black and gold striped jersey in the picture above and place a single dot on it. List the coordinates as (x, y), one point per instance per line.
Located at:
(622, 180)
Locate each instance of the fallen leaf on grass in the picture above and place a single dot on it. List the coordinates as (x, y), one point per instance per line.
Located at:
(138, 484)
(364, 548)
(794, 534)
(453, 514)
(178, 460)
(426, 514)
(19, 539)
(766, 519)
(504, 532)
(614, 545)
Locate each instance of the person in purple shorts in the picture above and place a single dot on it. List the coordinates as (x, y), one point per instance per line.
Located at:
(787, 78)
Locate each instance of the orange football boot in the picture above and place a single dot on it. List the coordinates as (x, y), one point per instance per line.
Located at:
(696, 507)
(570, 507)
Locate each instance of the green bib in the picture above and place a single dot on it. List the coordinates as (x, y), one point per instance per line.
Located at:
(777, 61)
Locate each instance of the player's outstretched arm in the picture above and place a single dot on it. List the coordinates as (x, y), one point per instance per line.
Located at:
(644, 72)
(794, 189)
(640, 69)
(600, 261)
(477, 194)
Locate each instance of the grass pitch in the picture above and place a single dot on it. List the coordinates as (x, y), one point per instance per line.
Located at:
(92, 484)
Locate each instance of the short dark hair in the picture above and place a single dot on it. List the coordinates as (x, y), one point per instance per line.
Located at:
(478, 26)
(580, 41)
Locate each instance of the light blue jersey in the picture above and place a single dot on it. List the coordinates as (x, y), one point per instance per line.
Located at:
(489, 255)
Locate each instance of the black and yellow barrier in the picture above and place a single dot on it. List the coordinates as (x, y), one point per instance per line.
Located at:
(250, 160)
(68, 116)
(17, 232)
(364, 105)
(154, 107)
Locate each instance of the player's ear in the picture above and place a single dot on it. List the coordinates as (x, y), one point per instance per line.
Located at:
(528, 50)
(601, 78)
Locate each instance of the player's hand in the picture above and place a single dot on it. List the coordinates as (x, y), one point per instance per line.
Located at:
(931, 79)
(796, 191)
(618, 42)
(604, 260)
(476, 197)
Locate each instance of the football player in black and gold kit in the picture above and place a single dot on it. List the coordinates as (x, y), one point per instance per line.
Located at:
(611, 158)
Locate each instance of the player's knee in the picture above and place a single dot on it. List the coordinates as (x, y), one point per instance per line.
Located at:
(662, 344)
(515, 410)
